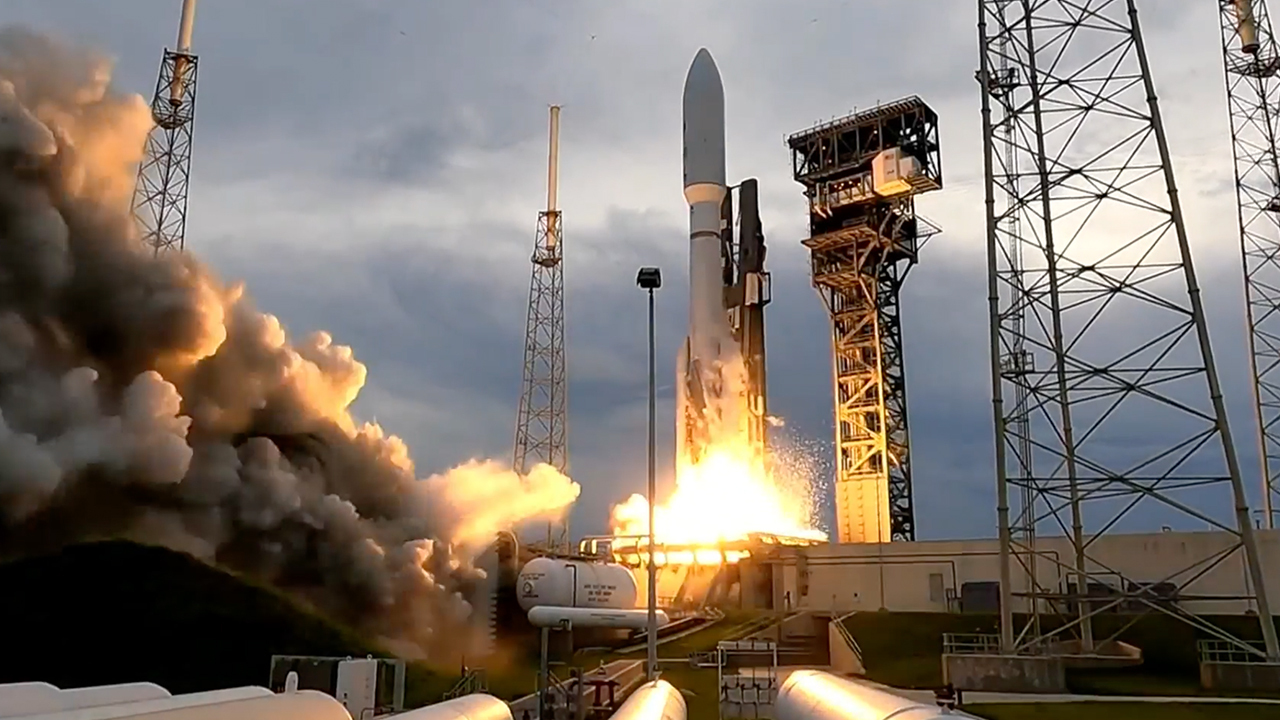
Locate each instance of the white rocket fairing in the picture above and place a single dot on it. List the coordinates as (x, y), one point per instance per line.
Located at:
(710, 346)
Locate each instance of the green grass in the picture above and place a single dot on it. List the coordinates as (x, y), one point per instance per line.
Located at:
(905, 650)
(112, 612)
(1123, 711)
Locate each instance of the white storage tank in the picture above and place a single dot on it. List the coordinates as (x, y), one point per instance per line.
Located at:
(575, 583)
(160, 706)
(27, 698)
(302, 705)
(817, 695)
(111, 695)
(477, 706)
(655, 700)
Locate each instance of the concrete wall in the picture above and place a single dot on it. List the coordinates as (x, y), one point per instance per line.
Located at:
(921, 576)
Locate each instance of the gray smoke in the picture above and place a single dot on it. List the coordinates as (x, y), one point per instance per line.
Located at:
(141, 397)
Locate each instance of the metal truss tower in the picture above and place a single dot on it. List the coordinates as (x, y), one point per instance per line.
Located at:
(1097, 332)
(861, 174)
(542, 421)
(160, 196)
(1251, 61)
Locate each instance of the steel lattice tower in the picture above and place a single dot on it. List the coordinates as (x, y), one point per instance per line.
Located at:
(164, 176)
(1095, 299)
(1251, 61)
(542, 423)
(861, 174)
(160, 198)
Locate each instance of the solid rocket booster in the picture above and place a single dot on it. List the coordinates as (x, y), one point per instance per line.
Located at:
(710, 343)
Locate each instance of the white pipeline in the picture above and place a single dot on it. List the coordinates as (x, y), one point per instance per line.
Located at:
(814, 695)
(657, 700)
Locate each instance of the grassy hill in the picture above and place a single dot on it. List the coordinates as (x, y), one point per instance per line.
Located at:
(110, 612)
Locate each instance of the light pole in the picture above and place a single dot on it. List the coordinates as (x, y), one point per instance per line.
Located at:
(650, 278)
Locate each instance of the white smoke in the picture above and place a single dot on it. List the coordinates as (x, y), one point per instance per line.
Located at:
(141, 397)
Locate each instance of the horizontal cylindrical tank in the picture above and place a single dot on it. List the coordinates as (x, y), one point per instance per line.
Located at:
(575, 583)
(158, 706)
(302, 705)
(25, 698)
(477, 706)
(549, 616)
(815, 695)
(21, 699)
(110, 695)
(657, 700)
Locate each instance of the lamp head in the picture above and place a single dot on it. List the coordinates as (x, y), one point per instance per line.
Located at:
(649, 278)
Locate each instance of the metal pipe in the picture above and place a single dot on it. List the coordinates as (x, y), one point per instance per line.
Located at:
(185, 26)
(544, 673)
(815, 695)
(651, 641)
(553, 182)
(183, 49)
(1243, 522)
(993, 329)
(654, 700)
(553, 161)
(1246, 26)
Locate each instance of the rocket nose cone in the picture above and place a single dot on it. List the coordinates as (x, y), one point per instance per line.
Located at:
(703, 73)
(703, 122)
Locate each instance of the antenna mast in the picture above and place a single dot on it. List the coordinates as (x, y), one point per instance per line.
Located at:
(542, 420)
(160, 197)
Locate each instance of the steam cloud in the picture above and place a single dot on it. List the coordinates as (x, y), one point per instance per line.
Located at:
(142, 397)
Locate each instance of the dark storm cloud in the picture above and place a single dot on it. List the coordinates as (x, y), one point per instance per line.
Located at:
(307, 98)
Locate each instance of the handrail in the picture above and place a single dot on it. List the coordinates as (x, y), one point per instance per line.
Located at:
(475, 681)
(848, 636)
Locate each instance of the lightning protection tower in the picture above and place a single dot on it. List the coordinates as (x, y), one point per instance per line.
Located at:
(861, 174)
(1251, 60)
(1096, 324)
(160, 196)
(542, 420)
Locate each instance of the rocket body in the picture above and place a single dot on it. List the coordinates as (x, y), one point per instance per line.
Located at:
(703, 391)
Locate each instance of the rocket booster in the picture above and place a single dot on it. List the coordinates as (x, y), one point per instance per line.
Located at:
(710, 346)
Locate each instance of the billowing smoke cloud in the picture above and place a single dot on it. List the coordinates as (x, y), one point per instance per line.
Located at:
(141, 397)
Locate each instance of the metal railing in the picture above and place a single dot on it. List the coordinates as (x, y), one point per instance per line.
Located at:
(848, 636)
(970, 644)
(475, 681)
(1231, 652)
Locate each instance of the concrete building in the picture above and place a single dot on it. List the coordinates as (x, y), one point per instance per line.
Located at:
(960, 575)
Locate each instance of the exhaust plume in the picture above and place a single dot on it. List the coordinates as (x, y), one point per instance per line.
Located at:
(141, 397)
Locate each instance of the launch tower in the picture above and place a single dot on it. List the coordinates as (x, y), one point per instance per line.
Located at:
(1097, 334)
(861, 174)
(542, 420)
(1251, 60)
(160, 196)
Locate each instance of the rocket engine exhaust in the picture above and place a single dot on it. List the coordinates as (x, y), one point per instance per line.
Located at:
(141, 397)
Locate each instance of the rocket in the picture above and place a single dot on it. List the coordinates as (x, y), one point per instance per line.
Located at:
(703, 389)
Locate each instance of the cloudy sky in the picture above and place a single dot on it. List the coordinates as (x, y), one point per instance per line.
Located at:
(375, 167)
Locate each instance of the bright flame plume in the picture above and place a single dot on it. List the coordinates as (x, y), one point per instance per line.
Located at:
(729, 495)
